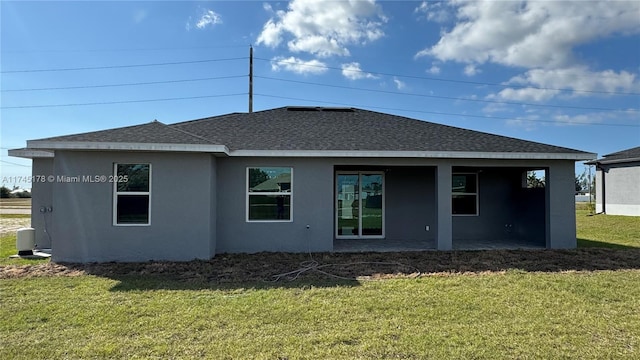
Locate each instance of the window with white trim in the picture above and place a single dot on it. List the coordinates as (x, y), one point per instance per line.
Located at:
(464, 194)
(269, 192)
(132, 194)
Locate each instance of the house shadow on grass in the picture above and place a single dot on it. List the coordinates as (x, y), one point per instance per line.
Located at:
(588, 243)
(286, 270)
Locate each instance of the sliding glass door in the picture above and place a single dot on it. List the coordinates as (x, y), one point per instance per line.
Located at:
(359, 205)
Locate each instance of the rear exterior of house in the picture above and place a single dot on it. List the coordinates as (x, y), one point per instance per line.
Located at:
(618, 183)
(295, 180)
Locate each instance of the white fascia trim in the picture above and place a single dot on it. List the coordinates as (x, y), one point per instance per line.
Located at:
(30, 153)
(116, 146)
(222, 149)
(607, 162)
(413, 154)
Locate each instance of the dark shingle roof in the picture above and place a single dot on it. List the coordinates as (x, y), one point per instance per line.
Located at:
(308, 128)
(153, 132)
(632, 154)
(349, 129)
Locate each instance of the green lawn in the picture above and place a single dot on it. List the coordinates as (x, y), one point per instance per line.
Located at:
(513, 314)
(607, 230)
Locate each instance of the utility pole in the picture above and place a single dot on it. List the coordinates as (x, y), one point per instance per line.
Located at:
(250, 78)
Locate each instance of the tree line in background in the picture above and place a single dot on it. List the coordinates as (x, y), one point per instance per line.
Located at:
(6, 193)
(585, 182)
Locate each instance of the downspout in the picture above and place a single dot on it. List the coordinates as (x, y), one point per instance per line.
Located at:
(604, 193)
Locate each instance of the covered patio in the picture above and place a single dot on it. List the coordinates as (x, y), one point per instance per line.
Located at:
(458, 208)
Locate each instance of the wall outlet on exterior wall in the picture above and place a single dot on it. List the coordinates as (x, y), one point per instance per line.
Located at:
(426, 228)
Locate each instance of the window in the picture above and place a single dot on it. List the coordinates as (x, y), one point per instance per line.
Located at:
(464, 194)
(132, 194)
(269, 193)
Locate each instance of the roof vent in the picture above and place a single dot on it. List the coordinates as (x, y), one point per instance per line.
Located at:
(320, 108)
(337, 109)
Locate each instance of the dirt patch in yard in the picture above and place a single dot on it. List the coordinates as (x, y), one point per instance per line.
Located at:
(9, 225)
(228, 268)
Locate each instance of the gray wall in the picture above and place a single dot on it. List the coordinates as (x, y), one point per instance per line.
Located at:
(198, 205)
(42, 192)
(312, 204)
(410, 203)
(213, 207)
(83, 227)
(621, 189)
(560, 205)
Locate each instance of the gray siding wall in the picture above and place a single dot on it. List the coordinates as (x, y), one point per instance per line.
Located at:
(495, 208)
(599, 189)
(560, 205)
(198, 205)
(622, 189)
(180, 229)
(43, 198)
(410, 203)
(312, 204)
(213, 207)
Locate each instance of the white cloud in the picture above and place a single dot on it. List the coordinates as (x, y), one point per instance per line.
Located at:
(547, 82)
(528, 122)
(324, 28)
(525, 94)
(531, 34)
(578, 119)
(208, 18)
(270, 35)
(399, 83)
(434, 70)
(352, 71)
(471, 70)
(422, 8)
(433, 11)
(298, 66)
(539, 37)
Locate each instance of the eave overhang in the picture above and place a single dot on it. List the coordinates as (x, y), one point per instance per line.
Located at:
(38, 148)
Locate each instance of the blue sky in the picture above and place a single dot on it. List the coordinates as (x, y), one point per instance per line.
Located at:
(564, 73)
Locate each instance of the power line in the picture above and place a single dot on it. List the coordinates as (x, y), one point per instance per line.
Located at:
(448, 80)
(127, 84)
(448, 97)
(119, 102)
(443, 113)
(122, 66)
(324, 85)
(12, 163)
(125, 49)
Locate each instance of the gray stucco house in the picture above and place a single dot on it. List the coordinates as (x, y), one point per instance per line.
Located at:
(293, 179)
(618, 183)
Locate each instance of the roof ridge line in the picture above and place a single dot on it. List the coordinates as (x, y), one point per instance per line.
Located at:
(190, 134)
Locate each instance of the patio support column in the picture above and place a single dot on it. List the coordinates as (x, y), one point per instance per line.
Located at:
(560, 206)
(445, 230)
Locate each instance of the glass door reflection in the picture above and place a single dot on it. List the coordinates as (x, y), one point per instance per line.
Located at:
(359, 205)
(348, 205)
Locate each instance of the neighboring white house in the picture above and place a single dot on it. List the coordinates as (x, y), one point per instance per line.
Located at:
(618, 183)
